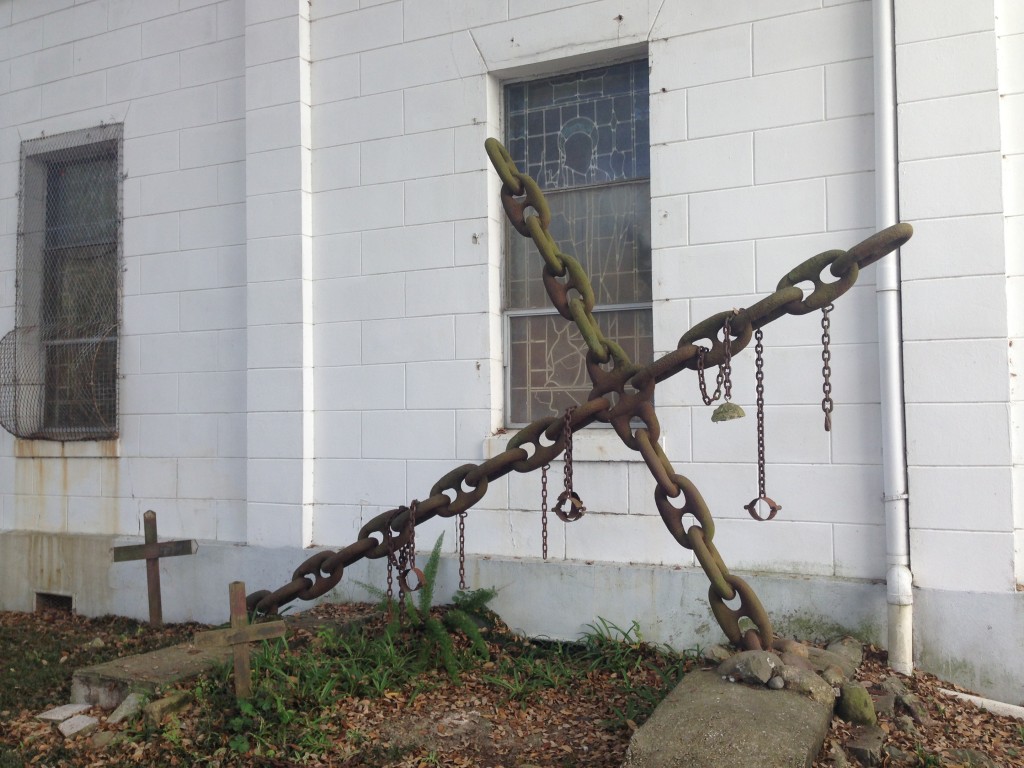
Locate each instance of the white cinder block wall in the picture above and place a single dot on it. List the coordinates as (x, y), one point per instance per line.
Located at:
(175, 78)
(312, 329)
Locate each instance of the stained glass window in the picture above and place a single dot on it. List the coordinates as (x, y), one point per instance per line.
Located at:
(584, 137)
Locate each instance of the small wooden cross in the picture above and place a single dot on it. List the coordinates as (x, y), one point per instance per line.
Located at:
(238, 636)
(151, 552)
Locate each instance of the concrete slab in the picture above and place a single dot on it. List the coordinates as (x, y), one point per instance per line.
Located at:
(62, 713)
(107, 685)
(78, 725)
(707, 722)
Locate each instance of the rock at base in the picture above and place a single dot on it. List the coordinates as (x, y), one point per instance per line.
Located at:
(77, 725)
(157, 710)
(127, 709)
(866, 745)
(855, 705)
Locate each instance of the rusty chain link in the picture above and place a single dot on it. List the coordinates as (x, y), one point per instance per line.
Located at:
(762, 494)
(826, 369)
(608, 401)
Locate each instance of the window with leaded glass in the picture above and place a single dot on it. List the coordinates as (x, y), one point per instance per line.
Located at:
(585, 138)
(63, 359)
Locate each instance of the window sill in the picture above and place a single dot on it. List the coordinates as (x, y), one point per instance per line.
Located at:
(591, 445)
(71, 449)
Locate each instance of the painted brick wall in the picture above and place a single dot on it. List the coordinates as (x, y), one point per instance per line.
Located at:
(955, 296)
(173, 73)
(762, 155)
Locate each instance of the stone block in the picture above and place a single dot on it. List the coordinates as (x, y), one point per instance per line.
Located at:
(62, 713)
(77, 726)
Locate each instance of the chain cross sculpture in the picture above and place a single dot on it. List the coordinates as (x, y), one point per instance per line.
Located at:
(622, 396)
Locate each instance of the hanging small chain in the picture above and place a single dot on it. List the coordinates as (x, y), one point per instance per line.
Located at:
(826, 369)
(462, 551)
(725, 372)
(576, 508)
(762, 494)
(544, 510)
(708, 399)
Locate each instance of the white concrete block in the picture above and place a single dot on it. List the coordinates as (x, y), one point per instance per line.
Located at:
(273, 127)
(476, 336)
(818, 149)
(231, 99)
(469, 426)
(180, 31)
(445, 104)
(18, 106)
(979, 302)
(275, 346)
(777, 256)
(231, 434)
(990, 556)
(771, 210)
(851, 201)
(361, 388)
(699, 165)
(954, 247)
(1010, 57)
(275, 303)
(416, 156)
(701, 58)
(420, 62)
(668, 119)
(423, 247)
(24, 37)
(276, 215)
(179, 190)
(74, 23)
(961, 498)
(336, 167)
(231, 183)
(73, 94)
(856, 432)
(212, 392)
(512, 534)
(602, 486)
(961, 434)
(437, 291)
(449, 16)
(955, 186)
(124, 13)
(274, 481)
(408, 434)
(360, 481)
(143, 78)
(849, 88)
(448, 384)
(212, 62)
(850, 494)
(215, 226)
(149, 393)
(337, 256)
(212, 144)
(173, 110)
(623, 539)
(335, 78)
(973, 370)
(46, 66)
(703, 270)
(359, 30)
(754, 103)
(338, 434)
(174, 352)
(829, 35)
(358, 209)
(947, 67)
(359, 298)
(274, 525)
(927, 20)
(402, 340)
(337, 344)
(970, 124)
(336, 525)
(108, 50)
(675, 19)
(1013, 185)
(1012, 109)
(778, 547)
(215, 309)
(151, 154)
(272, 41)
(177, 271)
(859, 551)
(152, 313)
(445, 198)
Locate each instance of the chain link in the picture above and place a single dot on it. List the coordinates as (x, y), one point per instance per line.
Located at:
(826, 369)
(544, 510)
(568, 496)
(462, 551)
(762, 494)
(608, 401)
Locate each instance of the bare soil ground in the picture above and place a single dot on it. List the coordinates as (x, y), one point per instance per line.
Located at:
(483, 721)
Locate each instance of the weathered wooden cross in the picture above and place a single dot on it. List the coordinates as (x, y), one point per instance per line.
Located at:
(151, 552)
(238, 636)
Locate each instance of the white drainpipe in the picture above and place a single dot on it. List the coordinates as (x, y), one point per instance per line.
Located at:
(899, 580)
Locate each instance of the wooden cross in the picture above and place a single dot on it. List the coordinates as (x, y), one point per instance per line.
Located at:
(151, 552)
(238, 636)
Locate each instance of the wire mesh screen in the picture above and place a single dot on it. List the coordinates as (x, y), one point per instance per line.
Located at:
(58, 368)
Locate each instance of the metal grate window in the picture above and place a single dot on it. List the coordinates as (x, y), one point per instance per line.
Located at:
(58, 368)
(585, 138)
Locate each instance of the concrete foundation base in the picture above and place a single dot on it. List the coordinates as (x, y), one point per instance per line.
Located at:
(970, 639)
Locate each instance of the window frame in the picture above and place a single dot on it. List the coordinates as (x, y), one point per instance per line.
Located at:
(507, 313)
(41, 264)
